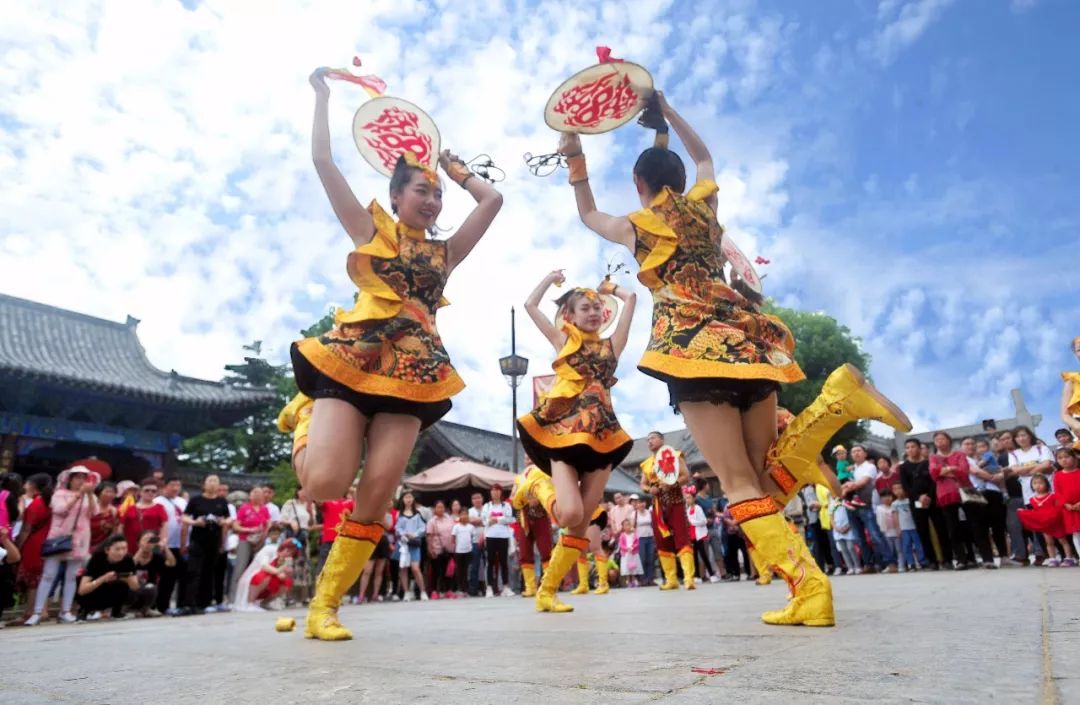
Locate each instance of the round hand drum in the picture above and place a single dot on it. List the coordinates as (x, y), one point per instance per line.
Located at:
(599, 99)
(740, 265)
(666, 465)
(384, 128)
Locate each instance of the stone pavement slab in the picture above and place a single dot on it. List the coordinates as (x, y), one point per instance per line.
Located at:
(1009, 636)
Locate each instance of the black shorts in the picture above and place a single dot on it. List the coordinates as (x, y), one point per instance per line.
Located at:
(580, 457)
(382, 549)
(601, 520)
(740, 393)
(317, 385)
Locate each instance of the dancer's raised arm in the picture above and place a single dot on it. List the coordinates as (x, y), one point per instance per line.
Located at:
(488, 203)
(532, 306)
(699, 153)
(353, 216)
(616, 229)
(622, 328)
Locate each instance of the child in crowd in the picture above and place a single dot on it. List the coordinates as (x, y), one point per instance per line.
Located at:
(1067, 489)
(629, 561)
(911, 549)
(463, 540)
(889, 523)
(1046, 517)
(842, 463)
(273, 535)
(845, 538)
(987, 459)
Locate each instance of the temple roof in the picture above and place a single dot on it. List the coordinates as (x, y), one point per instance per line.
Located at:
(490, 447)
(45, 344)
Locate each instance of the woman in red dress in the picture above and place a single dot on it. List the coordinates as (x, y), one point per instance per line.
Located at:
(1067, 490)
(1045, 517)
(35, 527)
(107, 521)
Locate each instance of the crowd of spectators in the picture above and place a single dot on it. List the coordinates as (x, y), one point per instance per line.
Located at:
(106, 551)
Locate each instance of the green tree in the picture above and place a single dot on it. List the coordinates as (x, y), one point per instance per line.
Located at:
(253, 444)
(821, 345)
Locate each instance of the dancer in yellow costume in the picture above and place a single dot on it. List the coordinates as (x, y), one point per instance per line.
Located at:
(597, 521)
(670, 525)
(722, 358)
(381, 374)
(1070, 396)
(572, 435)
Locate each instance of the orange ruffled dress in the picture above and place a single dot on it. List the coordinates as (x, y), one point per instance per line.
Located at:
(575, 422)
(708, 343)
(385, 355)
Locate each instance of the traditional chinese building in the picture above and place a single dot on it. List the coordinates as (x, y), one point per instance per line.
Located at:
(73, 386)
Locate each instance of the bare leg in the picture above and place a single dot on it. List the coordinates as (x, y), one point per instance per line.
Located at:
(391, 438)
(718, 432)
(298, 466)
(418, 576)
(335, 446)
(591, 492)
(256, 591)
(759, 433)
(365, 578)
(380, 568)
(403, 580)
(568, 509)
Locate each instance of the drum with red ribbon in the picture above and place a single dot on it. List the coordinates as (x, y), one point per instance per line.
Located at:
(666, 464)
(740, 265)
(384, 128)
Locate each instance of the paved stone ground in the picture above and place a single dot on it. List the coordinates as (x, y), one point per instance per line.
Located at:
(1010, 636)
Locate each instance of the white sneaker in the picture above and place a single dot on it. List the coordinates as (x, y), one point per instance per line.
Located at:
(378, 598)
(93, 616)
(423, 596)
(697, 580)
(408, 597)
(67, 618)
(714, 579)
(395, 598)
(224, 608)
(507, 592)
(33, 621)
(210, 610)
(152, 613)
(489, 592)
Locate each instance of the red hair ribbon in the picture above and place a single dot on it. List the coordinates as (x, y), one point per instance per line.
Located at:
(374, 85)
(761, 260)
(604, 54)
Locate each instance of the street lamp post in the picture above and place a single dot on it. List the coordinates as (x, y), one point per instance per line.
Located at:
(513, 367)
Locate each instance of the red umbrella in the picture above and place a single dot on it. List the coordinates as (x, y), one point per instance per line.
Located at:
(93, 464)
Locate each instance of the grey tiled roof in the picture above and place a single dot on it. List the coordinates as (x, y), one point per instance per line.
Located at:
(40, 343)
(489, 447)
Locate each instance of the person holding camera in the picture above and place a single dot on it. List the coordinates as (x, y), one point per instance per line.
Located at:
(153, 560)
(109, 583)
(205, 516)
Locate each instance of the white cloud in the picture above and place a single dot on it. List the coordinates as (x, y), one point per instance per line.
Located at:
(901, 24)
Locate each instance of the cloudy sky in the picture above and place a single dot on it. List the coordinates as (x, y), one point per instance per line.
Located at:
(908, 166)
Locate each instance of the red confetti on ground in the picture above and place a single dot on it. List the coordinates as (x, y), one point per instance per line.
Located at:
(708, 671)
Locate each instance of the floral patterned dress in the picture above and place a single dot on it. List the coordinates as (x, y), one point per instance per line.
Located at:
(575, 422)
(701, 326)
(387, 349)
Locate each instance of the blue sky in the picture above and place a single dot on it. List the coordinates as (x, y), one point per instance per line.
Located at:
(908, 166)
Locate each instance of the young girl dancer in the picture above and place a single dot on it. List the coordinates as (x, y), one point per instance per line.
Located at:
(381, 374)
(572, 435)
(1046, 517)
(723, 359)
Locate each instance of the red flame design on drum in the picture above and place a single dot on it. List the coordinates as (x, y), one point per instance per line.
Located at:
(395, 132)
(590, 104)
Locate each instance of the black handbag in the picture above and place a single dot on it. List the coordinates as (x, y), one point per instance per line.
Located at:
(61, 544)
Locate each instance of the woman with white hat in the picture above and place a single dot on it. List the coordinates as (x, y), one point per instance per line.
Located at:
(68, 542)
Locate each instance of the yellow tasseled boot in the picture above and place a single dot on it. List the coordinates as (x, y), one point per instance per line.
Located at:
(792, 461)
(582, 576)
(562, 559)
(352, 548)
(602, 586)
(671, 574)
(528, 575)
(785, 551)
(295, 418)
(686, 560)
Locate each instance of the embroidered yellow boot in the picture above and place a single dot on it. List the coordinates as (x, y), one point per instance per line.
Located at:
(602, 586)
(671, 573)
(792, 461)
(764, 573)
(349, 554)
(528, 574)
(785, 551)
(562, 559)
(533, 484)
(686, 560)
(582, 576)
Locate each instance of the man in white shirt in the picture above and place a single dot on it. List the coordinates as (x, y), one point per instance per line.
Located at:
(275, 510)
(169, 498)
(859, 493)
